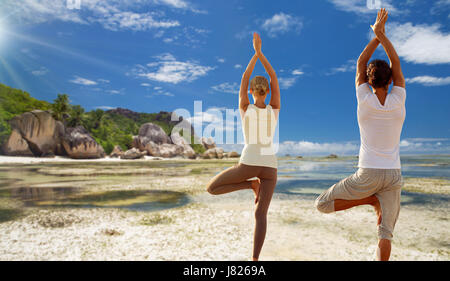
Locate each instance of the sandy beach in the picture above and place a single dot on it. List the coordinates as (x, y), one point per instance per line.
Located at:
(197, 226)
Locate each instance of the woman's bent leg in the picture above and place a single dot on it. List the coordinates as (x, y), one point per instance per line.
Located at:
(233, 179)
(268, 179)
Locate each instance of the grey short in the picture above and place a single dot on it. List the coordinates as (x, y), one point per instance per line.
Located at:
(385, 184)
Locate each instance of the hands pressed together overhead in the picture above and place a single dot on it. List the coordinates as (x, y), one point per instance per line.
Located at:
(379, 26)
(257, 43)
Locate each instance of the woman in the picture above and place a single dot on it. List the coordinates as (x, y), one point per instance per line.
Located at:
(258, 158)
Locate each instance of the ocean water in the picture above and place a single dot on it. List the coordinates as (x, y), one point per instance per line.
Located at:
(308, 177)
(69, 184)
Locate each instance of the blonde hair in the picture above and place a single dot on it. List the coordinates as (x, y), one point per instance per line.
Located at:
(259, 85)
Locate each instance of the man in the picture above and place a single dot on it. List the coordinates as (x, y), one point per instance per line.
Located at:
(378, 179)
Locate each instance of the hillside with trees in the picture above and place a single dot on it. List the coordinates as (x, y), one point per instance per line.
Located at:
(108, 128)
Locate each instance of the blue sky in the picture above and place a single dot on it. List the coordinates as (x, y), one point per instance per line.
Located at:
(153, 55)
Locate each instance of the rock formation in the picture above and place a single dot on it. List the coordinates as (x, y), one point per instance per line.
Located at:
(155, 142)
(37, 133)
(213, 153)
(116, 152)
(233, 154)
(208, 143)
(133, 153)
(154, 133)
(39, 130)
(79, 144)
(16, 145)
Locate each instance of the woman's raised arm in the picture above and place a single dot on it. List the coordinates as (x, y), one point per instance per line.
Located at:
(243, 92)
(275, 88)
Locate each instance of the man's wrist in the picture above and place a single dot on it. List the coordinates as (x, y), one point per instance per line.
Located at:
(380, 36)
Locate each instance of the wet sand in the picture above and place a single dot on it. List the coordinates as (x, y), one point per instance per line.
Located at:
(203, 227)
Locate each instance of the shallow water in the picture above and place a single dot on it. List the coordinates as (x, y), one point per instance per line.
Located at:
(309, 177)
(107, 184)
(87, 185)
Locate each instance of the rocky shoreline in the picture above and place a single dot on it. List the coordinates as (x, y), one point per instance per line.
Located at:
(38, 134)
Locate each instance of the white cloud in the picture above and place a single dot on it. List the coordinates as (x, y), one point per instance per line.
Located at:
(105, 107)
(113, 15)
(181, 4)
(115, 92)
(281, 23)
(158, 91)
(310, 148)
(409, 145)
(167, 69)
(286, 82)
(232, 88)
(425, 145)
(297, 72)
(427, 139)
(349, 66)
(145, 85)
(83, 81)
(237, 66)
(429, 80)
(175, 3)
(221, 60)
(134, 21)
(245, 32)
(440, 6)
(424, 43)
(360, 6)
(41, 71)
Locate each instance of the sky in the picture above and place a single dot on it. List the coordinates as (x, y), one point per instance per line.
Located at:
(162, 55)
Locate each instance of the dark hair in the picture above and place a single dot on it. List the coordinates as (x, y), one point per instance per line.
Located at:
(379, 73)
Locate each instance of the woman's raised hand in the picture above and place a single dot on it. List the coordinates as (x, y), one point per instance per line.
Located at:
(257, 43)
(379, 25)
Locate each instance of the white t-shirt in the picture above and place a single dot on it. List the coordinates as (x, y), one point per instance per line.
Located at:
(380, 127)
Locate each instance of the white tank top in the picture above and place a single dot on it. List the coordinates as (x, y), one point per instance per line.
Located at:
(258, 126)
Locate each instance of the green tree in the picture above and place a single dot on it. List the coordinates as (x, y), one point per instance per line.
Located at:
(76, 116)
(60, 107)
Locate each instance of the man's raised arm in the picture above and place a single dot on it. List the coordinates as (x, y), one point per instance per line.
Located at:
(379, 30)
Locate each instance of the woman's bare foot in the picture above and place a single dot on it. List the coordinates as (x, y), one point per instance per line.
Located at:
(255, 186)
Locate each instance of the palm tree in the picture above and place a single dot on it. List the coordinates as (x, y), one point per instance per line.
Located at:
(60, 107)
(76, 116)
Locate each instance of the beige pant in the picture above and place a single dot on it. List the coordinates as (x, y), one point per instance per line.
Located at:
(385, 184)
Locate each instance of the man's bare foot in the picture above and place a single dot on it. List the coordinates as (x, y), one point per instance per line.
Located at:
(255, 186)
(377, 207)
(254, 259)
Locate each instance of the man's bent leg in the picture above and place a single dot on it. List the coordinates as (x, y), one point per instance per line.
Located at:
(352, 191)
(340, 204)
